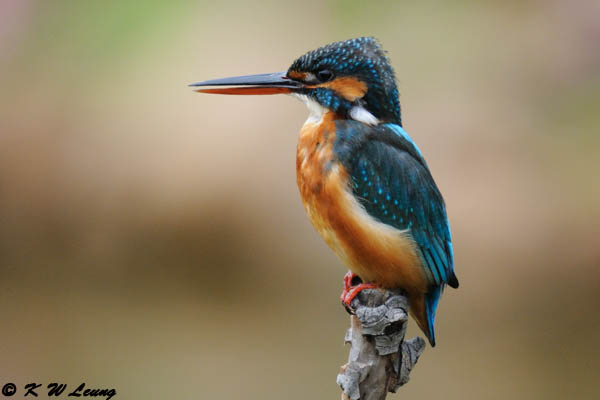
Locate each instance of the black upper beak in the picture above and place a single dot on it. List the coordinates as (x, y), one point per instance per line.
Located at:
(251, 84)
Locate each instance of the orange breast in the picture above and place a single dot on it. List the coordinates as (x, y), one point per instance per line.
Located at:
(371, 249)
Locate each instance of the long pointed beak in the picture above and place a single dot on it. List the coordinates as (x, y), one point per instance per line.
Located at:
(251, 84)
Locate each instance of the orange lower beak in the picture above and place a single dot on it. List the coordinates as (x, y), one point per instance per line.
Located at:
(246, 90)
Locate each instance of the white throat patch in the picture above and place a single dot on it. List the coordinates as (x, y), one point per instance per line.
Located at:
(316, 111)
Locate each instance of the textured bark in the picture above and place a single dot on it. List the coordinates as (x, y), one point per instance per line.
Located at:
(380, 360)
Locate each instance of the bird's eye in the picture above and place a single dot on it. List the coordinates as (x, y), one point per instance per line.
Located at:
(324, 75)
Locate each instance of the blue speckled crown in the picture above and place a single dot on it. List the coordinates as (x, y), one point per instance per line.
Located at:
(364, 59)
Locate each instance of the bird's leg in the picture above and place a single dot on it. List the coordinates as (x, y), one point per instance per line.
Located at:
(353, 285)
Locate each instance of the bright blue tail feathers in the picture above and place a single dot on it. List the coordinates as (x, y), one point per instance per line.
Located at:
(431, 302)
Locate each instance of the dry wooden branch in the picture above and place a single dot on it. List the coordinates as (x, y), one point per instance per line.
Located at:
(380, 360)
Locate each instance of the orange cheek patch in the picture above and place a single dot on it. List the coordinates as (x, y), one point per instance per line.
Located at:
(296, 75)
(350, 88)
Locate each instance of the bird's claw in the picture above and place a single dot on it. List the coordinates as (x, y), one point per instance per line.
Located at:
(353, 285)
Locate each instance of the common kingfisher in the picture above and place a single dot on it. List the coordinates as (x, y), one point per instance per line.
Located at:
(363, 181)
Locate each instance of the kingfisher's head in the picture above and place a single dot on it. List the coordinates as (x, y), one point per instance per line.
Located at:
(352, 78)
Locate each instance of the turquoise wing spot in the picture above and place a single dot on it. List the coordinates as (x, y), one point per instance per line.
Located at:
(398, 130)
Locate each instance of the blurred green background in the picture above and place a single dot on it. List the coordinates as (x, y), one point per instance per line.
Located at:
(153, 240)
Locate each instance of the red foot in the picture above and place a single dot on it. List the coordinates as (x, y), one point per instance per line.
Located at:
(348, 278)
(350, 291)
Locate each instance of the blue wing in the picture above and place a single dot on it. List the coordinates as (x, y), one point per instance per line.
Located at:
(393, 183)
